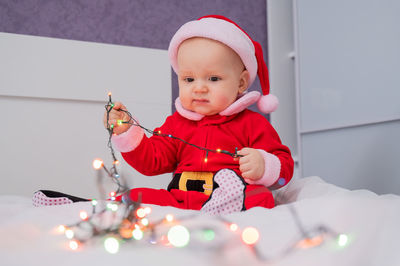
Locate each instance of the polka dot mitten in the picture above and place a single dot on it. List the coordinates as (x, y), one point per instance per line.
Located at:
(228, 197)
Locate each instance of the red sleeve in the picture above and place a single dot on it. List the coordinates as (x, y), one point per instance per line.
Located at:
(263, 136)
(155, 155)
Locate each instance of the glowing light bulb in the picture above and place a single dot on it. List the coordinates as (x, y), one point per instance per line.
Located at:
(281, 181)
(205, 159)
(84, 215)
(145, 221)
(250, 235)
(178, 236)
(120, 122)
(147, 210)
(169, 217)
(73, 244)
(137, 234)
(208, 234)
(164, 240)
(311, 242)
(342, 240)
(97, 164)
(94, 202)
(109, 94)
(125, 232)
(61, 228)
(69, 233)
(218, 150)
(159, 132)
(116, 162)
(141, 212)
(112, 206)
(112, 195)
(111, 244)
(233, 227)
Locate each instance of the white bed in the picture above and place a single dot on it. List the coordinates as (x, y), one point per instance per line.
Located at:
(29, 235)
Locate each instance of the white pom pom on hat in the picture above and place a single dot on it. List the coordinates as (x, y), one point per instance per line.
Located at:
(224, 30)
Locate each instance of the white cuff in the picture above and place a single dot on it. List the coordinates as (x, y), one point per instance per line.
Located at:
(129, 140)
(272, 170)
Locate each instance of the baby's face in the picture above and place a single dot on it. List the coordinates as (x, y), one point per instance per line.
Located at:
(210, 75)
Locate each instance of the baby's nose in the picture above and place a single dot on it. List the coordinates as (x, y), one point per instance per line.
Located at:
(200, 87)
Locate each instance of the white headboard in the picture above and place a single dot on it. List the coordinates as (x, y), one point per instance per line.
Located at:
(53, 92)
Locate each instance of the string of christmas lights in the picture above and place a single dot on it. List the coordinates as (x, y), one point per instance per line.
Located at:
(119, 222)
(132, 121)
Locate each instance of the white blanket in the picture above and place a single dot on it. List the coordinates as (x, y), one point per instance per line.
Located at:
(371, 223)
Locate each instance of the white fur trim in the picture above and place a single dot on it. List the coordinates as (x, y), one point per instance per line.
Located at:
(242, 103)
(271, 172)
(129, 140)
(239, 105)
(268, 103)
(219, 30)
(186, 113)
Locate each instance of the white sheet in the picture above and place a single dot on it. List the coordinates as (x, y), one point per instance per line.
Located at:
(28, 235)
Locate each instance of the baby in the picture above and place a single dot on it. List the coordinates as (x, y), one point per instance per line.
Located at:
(216, 61)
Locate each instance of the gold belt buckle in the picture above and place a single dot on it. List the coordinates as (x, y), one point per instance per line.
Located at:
(207, 177)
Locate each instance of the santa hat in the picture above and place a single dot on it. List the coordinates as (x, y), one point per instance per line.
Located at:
(226, 31)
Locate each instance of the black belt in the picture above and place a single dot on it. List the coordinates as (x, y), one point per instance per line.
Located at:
(193, 181)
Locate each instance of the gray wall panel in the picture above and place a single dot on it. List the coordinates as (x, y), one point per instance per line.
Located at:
(366, 157)
(349, 62)
(347, 65)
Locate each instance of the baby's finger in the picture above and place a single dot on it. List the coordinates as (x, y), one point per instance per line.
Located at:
(114, 114)
(244, 151)
(107, 118)
(247, 174)
(112, 122)
(117, 105)
(243, 160)
(244, 167)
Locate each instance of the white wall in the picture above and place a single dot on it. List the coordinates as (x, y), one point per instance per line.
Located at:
(53, 93)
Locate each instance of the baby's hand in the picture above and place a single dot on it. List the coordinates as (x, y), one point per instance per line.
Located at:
(251, 164)
(116, 115)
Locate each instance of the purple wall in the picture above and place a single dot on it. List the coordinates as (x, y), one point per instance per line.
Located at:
(143, 23)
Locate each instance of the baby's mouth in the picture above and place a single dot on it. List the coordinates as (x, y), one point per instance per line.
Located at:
(200, 100)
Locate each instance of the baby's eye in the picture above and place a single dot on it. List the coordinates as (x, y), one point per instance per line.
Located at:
(214, 78)
(189, 79)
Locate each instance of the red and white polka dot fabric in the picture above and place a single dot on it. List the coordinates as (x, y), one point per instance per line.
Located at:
(40, 199)
(228, 197)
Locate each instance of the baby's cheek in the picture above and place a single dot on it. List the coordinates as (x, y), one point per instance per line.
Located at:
(185, 100)
(225, 101)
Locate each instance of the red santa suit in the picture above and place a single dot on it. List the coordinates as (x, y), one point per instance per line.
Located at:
(211, 181)
(233, 129)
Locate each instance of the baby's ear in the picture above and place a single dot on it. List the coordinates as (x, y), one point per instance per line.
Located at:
(244, 81)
